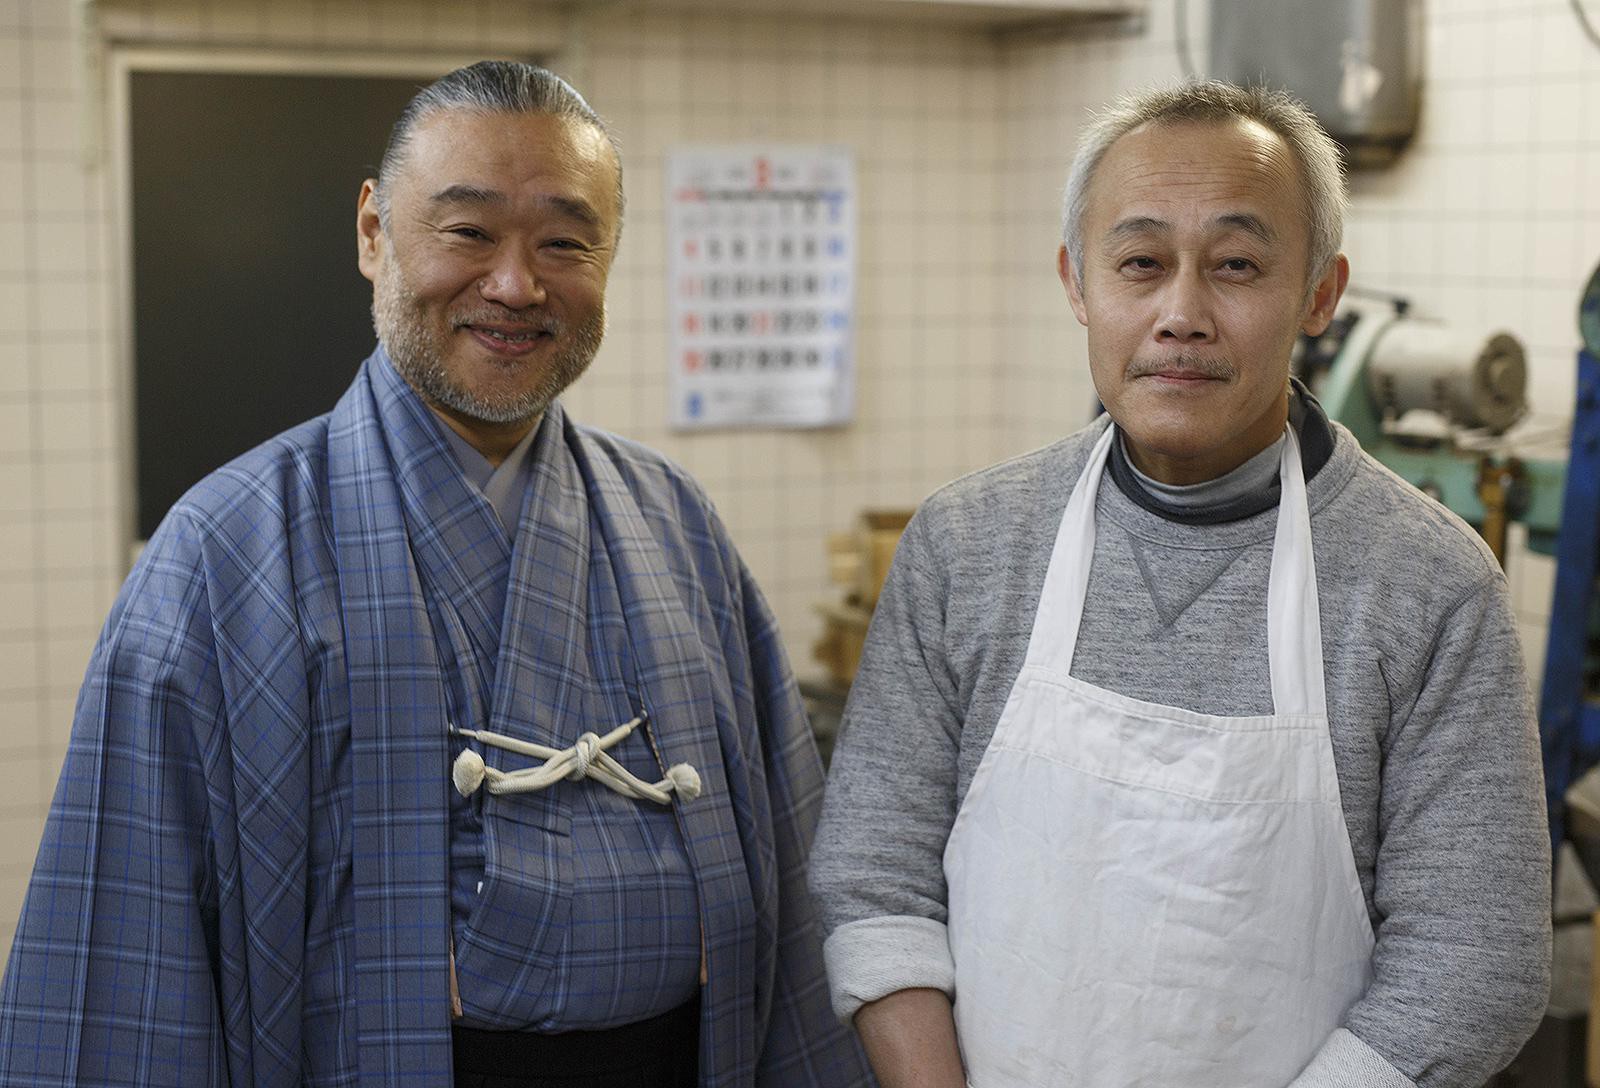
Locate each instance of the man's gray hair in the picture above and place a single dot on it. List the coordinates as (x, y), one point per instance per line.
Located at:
(1209, 101)
(489, 86)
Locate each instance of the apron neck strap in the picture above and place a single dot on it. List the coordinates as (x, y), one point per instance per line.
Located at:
(1294, 617)
(1066, 582)
(1294, 632)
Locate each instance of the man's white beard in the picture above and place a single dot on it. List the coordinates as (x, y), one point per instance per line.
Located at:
(418, 353)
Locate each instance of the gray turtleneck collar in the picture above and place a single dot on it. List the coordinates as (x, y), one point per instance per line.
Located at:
(1255, 476)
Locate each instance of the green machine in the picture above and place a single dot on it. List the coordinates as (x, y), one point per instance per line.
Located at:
(1433, 404)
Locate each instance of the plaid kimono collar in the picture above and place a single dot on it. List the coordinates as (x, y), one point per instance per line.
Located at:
(407, 523)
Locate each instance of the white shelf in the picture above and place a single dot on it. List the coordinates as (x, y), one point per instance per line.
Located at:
(979, 14)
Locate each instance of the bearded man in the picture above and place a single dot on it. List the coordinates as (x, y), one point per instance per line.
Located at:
(439, 739)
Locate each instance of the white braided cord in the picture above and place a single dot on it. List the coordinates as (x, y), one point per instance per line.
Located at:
(587, 758)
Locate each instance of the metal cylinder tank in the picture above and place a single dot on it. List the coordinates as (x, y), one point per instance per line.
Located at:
(1471, 379)
(1356, 63)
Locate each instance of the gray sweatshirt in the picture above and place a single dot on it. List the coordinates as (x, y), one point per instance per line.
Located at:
(1431, 724)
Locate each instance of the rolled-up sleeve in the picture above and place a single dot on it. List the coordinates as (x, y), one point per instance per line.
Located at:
(877, 870)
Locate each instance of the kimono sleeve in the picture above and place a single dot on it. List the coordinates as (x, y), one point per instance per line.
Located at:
(112, 977)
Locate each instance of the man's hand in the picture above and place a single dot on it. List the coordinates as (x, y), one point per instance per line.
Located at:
(910, 1038)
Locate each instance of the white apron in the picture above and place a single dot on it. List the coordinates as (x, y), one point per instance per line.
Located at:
(1143, 895)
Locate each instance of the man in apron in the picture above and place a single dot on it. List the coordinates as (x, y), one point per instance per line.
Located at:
(1196, 748)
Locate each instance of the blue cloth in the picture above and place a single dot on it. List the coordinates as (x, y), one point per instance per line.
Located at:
(244, 876)
(511, 481)
(629, 941)
(504, 485)
(631, 949)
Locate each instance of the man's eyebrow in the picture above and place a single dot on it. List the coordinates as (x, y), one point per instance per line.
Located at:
(461, 193)
(1250, 224)
(1137, 225)
(467, 194)
(575, 208)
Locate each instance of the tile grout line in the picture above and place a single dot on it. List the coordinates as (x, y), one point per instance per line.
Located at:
(33, 316)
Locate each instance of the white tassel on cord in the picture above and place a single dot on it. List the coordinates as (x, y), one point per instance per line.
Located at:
(587, 758)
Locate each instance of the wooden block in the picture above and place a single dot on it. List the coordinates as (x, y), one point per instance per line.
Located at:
(1593, 1068)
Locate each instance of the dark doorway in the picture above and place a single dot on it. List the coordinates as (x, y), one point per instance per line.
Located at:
(249, 314)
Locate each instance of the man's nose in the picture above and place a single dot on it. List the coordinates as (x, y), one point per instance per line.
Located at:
(512, 281)
(1185, 312)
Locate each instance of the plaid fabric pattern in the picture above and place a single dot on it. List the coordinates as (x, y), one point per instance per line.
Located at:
(587, 916)
(244, 876)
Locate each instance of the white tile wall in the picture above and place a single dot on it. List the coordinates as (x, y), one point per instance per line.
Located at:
(968, 350)
(907, 101)
(54, 549)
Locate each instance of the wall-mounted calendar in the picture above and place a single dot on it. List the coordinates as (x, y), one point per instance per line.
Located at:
(761, 274)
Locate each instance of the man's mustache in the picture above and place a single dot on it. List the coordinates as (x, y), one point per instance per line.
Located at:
(1204, 366)
(537, 320)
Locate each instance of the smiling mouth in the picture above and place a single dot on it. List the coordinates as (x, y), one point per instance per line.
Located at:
(508, 343)
(523, 337)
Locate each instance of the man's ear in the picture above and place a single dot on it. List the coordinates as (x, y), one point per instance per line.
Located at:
(369, 231)
(1069, 280)
(1325, 297)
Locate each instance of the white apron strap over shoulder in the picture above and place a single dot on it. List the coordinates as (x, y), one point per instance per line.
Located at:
(1066, 580)
(1294, 628)
(1147, 895)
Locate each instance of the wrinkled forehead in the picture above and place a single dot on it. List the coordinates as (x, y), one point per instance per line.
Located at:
(1199, 154)
(512, 152)
(1186, 170)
